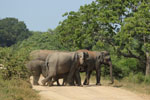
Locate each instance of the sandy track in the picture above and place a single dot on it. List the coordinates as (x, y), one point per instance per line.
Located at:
(91, 92)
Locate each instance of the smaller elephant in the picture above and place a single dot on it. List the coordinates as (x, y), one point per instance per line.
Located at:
(36, 67)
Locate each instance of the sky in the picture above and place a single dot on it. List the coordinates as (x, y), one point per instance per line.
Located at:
(39, 15)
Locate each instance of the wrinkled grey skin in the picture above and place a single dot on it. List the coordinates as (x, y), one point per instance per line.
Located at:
(36, 67)
(103, 57)
(94, 62)
(64, 62)
(38, 56)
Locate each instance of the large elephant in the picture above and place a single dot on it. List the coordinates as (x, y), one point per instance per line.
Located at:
(94, 62)
(65, 62)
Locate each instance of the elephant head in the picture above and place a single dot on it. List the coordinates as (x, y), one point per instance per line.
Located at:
(82, 57)
(104, 58)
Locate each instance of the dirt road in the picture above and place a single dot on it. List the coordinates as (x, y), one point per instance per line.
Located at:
(91, 92)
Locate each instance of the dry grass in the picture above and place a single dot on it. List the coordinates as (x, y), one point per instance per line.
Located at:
(17, 89)
(135, 87)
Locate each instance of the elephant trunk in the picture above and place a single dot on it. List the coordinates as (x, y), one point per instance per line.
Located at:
(110, 64)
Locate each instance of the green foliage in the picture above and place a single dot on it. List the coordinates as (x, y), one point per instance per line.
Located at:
(138, 78)
(124, 66)
(133, 39)
(41, 41)
(14, 63)
(12, 31)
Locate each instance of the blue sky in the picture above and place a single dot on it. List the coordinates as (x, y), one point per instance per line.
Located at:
(39, 15)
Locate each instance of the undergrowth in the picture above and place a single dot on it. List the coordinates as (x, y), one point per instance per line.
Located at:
(17, 89)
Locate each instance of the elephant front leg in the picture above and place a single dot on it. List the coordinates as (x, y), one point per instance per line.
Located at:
(47, 79)
(64, 81)
(35, 80)
(77, 78)
(88, 74)
(98, 76)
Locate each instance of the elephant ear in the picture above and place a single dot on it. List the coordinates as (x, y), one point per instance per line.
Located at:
(86, 55)
(101, 57)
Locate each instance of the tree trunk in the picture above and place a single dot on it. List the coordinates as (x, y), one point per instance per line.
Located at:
(147, 64)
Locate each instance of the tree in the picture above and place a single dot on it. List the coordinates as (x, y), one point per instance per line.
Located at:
(134, 37)
(12, 31)
(93, 25)
(40, 40)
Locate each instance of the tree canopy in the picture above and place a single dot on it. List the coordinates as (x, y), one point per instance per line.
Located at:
(12, 31)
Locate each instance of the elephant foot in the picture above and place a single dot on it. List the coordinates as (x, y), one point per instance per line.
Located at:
(67, 84)
(98, 84)
(85, 83)
(35, 83)
(43, 82)
(58, 84)
(80, 85)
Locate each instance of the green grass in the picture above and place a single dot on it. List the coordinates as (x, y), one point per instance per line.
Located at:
(17, 89)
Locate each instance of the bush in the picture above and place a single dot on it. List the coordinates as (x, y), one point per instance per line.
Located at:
(122, 67)
(138, 78)
(41, 41)
(147, 80)
(14, 63)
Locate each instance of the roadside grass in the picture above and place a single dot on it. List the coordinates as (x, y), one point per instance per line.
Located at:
(134, 86)
(17, 89)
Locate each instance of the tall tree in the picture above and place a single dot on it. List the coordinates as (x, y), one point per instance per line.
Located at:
(12, 31)
(134, 38)
(92, 25)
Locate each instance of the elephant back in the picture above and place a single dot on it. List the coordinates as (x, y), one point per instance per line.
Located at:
(40, 54)
(91, 54)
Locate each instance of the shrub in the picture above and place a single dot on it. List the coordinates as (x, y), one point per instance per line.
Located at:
(123, 66)
(138, 78)
(14, 63)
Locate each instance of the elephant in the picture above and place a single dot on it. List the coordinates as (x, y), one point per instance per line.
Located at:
(36, 67)
(94, 62)
(64, 62)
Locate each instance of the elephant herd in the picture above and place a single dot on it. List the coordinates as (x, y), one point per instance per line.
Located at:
(55, 65)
